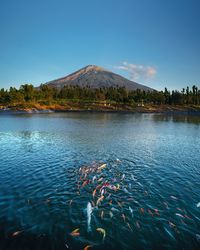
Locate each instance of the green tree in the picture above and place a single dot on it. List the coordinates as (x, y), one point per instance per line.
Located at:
(28, 92)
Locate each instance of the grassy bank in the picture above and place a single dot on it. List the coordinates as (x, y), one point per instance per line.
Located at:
(88, 105)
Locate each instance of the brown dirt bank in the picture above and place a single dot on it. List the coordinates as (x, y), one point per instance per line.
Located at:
(79, 106)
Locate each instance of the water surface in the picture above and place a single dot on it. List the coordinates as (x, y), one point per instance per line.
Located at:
(152, 159)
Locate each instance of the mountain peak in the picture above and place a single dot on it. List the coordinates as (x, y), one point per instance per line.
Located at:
(96, 77)
(93, 67)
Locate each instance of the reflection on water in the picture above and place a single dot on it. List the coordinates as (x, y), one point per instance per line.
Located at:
(195, 119)
(153, 159)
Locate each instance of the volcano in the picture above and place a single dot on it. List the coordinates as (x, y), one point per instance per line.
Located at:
(96, 77)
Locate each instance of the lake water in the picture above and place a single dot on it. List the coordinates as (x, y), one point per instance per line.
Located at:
(50, 164)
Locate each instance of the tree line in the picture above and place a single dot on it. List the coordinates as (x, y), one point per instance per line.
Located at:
(27, 93)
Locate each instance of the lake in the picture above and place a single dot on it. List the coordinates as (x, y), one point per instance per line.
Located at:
(145, 197)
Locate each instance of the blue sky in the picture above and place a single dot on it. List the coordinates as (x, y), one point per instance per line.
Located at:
(154, 42)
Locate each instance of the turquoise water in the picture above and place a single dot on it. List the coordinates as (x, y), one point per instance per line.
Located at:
(49, 170)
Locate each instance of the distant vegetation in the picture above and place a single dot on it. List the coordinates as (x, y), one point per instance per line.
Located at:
(47, 95)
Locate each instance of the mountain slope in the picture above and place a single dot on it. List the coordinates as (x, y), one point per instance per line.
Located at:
(96, 77)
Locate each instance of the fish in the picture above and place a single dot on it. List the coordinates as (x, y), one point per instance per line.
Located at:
(112, 187)
(179, 209)
(198, 237)
(75, 230)
(142, 210)
(99, 200)
(108, 197)
(111, 214)
(94, 193)
(166, 205)
(187, 217)
(139, 184)
(149, 211)
(169, 233)
(179, 215)
(102, 231)
(183, 222)
(89, 212)
(85, 183)
(138, 225)
(48, 201)
(117, 186)
(87, 247)
(133, 178)
(174, 197)
(101, 167)
(156, 211)
(98, 187)
(75, 234)
(120, 204)
(172, 224)
(129, 226)
(123, 177)
(198, 204)
(100, 179)
(102, 191)
(70, 202)
(131, 210)
(93, 204)
(124, 217)
(126, 191)
(114, 209)
(16, 233)
(102, 214)
(94, 178)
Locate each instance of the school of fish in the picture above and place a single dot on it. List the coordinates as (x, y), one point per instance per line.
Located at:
(104, 204)
(105, 200)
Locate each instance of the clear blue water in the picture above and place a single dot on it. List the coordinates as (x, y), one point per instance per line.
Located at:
(153, 159)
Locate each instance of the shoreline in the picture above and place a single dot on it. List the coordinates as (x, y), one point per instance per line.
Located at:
(166, 112)
(36, 108)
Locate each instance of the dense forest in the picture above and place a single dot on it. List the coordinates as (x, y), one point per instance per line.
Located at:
(45, 94)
